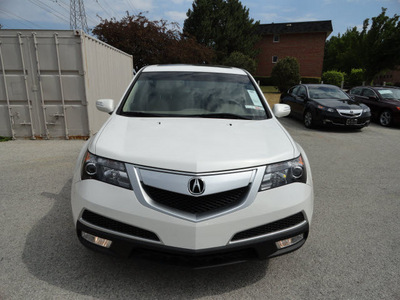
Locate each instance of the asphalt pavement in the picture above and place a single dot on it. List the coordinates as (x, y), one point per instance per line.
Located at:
(353, 251)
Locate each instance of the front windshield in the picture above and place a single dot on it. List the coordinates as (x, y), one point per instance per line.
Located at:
(326, 92)
(193, 94)
(390, 93)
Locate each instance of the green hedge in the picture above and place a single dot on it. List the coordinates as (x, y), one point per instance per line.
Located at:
(264, 80)
(333, 77)
(267, 81)
(312, 80)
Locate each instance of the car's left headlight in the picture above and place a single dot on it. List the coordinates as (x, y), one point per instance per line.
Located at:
(105, 170)
(283, 173)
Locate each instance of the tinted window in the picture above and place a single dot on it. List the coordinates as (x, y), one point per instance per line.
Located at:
(368, 93)
(356, 91)
(294, 90)
(302, 91)
(191, 94)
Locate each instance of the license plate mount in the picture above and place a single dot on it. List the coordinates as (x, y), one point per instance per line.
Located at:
(351, 122)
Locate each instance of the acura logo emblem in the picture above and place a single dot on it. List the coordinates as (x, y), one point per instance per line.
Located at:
(196, 186)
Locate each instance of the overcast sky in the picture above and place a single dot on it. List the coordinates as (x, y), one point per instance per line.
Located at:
(54, 14)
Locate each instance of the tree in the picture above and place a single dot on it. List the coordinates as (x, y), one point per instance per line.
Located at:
(343, 52)
(286, 73)
(381, 44)
(224, 25)
(375, 49)
(151, 42)
(239, 60)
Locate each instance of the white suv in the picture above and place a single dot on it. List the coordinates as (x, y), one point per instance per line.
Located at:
(193, 166)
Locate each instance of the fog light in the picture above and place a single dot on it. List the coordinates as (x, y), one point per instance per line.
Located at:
(96, 240)
(289, 242)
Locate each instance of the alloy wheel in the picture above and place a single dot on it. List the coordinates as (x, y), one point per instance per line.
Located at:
(308, 119)
(385, 118)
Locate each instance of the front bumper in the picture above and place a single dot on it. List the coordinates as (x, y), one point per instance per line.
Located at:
(259, 248)
(335, 119)
(192, 241)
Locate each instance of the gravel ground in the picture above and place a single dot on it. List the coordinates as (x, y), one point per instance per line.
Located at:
(352, 252)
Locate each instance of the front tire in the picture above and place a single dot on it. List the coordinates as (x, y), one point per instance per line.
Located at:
(308, 119)
(385, 118)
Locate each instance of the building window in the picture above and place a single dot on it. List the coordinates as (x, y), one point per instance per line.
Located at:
(276, 38)
(274, 59)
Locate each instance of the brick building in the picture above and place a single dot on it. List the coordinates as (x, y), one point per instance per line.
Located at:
(389, 77)
(302, 40)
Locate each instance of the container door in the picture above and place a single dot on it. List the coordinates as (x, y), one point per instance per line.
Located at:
(42, 92)
(18, 117)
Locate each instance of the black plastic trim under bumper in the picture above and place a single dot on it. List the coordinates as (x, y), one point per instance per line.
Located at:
(261, 248)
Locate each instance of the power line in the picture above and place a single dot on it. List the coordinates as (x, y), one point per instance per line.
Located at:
(14, 15)
(49, 9)
(115, 14)
(132, 6)
(66, 8)
(97, 1)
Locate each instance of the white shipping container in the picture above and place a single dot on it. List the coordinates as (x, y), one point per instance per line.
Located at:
(50, 81)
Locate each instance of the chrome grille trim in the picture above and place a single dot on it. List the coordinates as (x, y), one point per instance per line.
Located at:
(350, 112)
(88, 224)
(269, 234)
(250, 177)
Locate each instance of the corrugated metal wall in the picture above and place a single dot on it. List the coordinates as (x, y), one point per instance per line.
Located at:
(100, 58)
(49, 82)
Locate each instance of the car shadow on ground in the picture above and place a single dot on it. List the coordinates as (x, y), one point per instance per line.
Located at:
(53, 254)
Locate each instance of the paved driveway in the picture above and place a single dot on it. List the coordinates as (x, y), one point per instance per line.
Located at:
(353, 251)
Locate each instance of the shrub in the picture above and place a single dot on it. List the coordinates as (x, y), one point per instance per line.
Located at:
(239, 60)
(264, 80)
(286, 73)
(333, 77)
(311, 80)
(356, 77)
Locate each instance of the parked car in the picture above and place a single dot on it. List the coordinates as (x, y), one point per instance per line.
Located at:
(323, 104)
(194, 165)
(384, 102)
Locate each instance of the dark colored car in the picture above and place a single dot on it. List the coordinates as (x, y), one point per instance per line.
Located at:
(323, 104)
(384, 102)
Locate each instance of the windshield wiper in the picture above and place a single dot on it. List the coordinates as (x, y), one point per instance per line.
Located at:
(158, 115)
(141, 114)
(222, 116)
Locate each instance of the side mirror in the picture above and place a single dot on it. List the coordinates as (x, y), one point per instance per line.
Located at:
(281, 110)
(105, 105)
(373, 98)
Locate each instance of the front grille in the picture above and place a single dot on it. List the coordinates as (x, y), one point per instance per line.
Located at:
(350, 113)
(269, 228)
(116, 226)
(197, 205)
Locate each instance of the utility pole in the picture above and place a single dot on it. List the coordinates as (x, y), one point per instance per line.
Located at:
(77, 15)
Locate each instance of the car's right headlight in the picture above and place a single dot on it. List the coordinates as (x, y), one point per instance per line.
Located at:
(328, 109)
(283, 173)
(105, 170)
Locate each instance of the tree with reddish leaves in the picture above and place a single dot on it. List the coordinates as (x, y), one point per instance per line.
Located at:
(152, 42)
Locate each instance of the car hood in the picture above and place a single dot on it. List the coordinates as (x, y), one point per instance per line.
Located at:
(339, 104)
(193, 144)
